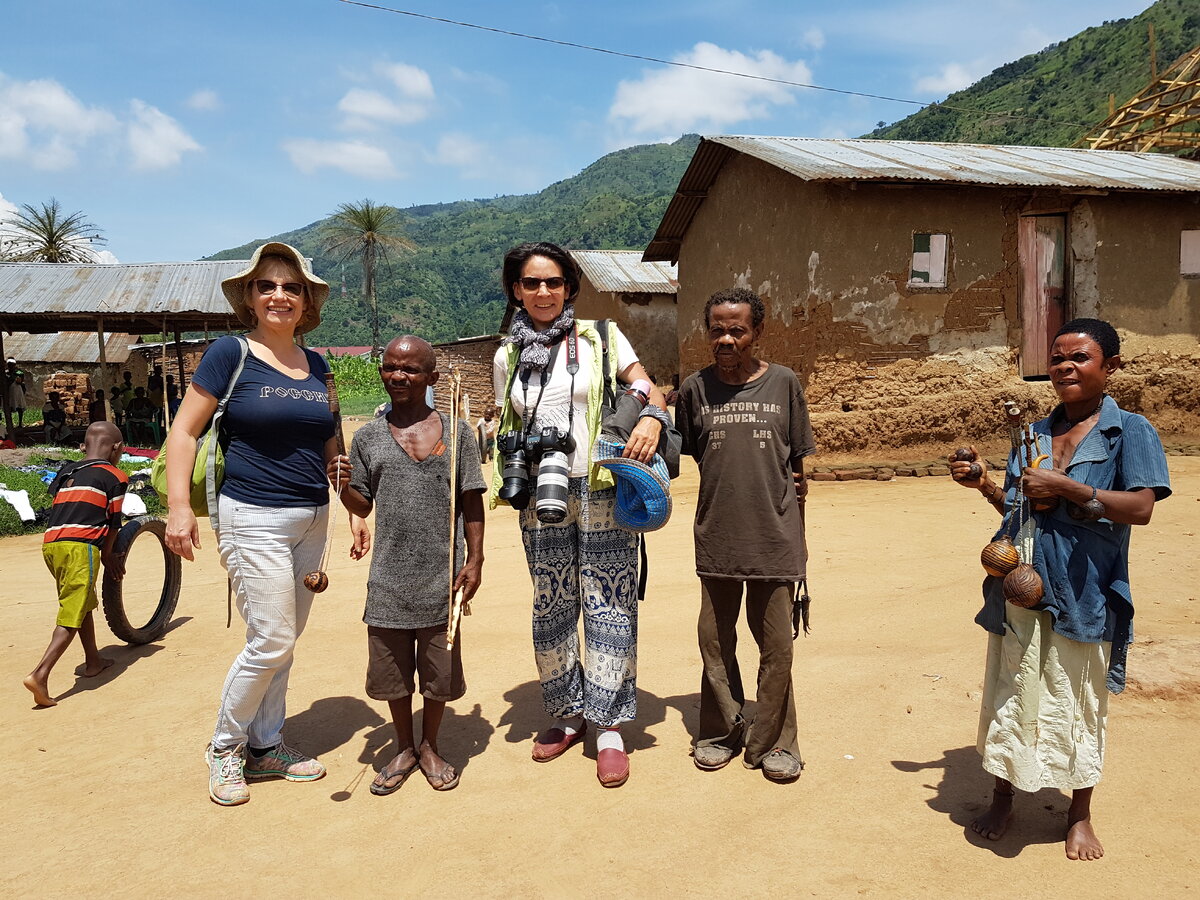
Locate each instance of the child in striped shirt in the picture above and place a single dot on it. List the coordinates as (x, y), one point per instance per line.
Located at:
(83, 525)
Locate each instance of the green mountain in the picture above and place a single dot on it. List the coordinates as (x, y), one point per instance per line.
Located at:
(450, 287)
(1061, 91)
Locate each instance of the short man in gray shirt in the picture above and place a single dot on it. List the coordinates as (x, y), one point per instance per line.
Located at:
(399, 466)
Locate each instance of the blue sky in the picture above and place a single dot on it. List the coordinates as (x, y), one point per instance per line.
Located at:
(184, 128)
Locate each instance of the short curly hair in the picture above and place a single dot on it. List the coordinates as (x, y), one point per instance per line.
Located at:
(737, 296)
(1098, 330)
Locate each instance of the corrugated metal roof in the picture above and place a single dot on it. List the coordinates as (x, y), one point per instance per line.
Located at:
(129, 294)
(813, 159)
(856, 160)
(79, 347)
(622, 271)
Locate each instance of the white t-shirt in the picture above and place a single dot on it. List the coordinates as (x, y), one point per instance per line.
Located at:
(553, 409)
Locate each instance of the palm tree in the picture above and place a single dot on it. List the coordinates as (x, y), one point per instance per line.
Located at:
(49, 235)
(371, 231)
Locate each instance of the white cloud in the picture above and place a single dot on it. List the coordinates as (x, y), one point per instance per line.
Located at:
(953, 77)
(353, 157)
(45, 125)
(203, 100)
(366, 109)
(7, 210)
(814, 38)
(673, 100)
(400, 94)
(155, 139)
(409, 80)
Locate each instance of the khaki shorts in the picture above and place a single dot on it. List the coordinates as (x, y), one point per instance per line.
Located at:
(75, 566)
(395, 655)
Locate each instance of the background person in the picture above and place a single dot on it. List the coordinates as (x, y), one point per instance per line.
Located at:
(80, 532)
(1058, 659)
(54, 420)
(14, 383)
(745, 422)
(272, 509)
(583, 562)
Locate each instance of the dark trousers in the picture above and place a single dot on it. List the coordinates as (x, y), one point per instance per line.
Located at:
(769, 615)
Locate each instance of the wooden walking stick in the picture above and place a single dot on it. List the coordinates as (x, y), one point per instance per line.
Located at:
(317, 581)
(457, 609)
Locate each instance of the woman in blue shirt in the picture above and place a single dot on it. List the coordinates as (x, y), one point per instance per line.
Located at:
(1044, 712)
(273, 507)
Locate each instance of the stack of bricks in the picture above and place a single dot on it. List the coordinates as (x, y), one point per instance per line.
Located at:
(74, 392)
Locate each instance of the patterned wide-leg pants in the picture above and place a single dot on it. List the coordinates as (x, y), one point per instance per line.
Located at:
(584, 563)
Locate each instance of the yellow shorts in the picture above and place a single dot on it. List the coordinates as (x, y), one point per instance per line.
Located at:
(75, 566)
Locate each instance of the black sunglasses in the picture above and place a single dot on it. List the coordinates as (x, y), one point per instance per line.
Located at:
(552, 284)
(292, 288)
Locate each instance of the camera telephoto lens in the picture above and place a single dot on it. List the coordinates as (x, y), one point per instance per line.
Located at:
(515, 489)
(552, 487)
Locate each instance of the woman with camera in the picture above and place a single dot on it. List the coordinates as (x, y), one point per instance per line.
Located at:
(549, 389)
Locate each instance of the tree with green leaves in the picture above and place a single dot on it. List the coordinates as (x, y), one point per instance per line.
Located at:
(370, 231)
(47, 234)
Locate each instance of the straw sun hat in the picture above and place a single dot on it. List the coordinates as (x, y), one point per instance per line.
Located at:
(234, 287)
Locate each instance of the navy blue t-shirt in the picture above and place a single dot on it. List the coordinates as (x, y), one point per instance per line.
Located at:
(274, 429)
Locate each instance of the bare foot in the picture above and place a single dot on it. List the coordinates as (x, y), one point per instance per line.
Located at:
(1082, 842)
(90, 671)
(994, 823)
(439, 773)
(40, 691)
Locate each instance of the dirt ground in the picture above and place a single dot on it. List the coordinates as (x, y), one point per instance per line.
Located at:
(108, 790)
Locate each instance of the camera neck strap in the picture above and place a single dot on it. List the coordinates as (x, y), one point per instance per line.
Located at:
(572, 342)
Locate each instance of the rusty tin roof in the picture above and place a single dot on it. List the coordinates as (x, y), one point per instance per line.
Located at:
(80, 347)
(43, 297)
(813, 159)
(622, 271)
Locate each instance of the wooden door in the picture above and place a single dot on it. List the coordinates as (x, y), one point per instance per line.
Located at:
(1041, 255)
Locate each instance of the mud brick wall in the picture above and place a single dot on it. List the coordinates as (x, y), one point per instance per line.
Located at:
(473, 361)
(74, 390)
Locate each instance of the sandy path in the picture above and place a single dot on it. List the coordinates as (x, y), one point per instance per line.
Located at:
(107, 790)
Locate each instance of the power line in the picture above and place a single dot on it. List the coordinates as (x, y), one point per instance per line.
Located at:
(699, 68)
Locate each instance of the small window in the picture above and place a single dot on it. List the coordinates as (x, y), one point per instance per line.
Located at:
(1189, 253)
(928, 260)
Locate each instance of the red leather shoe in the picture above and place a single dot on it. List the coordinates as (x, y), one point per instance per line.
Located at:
(612, 767)
(554, 743)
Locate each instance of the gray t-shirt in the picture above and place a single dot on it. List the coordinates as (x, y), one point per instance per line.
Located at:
(745, 437)
(409, 583)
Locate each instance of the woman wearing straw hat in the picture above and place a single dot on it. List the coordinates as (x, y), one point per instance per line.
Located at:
(548, 380)
(273, 505)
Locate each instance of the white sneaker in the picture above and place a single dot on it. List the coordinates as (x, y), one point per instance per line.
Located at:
(226, 781)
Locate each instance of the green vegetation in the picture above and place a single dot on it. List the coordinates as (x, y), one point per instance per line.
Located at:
(1069, 82)
(449, 288)
(358, 384)
(39, 496)
(50, 235)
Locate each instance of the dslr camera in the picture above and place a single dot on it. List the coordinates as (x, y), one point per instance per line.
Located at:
(548, 450)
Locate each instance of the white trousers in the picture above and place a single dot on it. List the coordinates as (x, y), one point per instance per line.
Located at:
(267, 552)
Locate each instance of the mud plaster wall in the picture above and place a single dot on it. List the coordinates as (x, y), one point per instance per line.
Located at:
(885, 365)
(648, 320)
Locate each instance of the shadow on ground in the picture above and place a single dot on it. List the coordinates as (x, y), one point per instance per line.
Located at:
(123, 656)
(965, 791)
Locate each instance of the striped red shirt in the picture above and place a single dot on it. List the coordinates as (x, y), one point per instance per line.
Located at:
(87, 502)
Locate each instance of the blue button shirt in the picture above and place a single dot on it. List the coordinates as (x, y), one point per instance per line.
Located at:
(1085, 565)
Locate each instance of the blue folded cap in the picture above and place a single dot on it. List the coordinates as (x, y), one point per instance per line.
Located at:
(643, 491)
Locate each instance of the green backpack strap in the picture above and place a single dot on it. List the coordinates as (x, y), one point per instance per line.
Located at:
(212, 439)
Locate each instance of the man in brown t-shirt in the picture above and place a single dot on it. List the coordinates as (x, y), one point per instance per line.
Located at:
(745, 422)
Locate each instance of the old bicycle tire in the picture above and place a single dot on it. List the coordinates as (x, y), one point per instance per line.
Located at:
(114, 603)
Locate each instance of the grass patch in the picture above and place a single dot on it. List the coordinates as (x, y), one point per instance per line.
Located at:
(39, 495)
